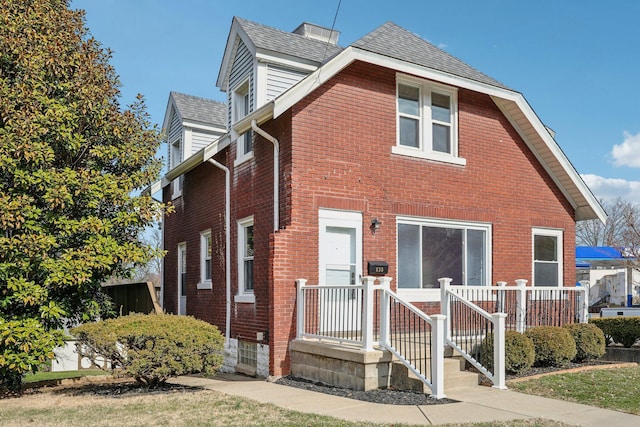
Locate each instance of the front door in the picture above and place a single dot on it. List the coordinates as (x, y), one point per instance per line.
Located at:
(340, 264)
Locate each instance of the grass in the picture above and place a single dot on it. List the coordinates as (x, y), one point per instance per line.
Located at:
(48, 376)
(179, 408)
(617, 389)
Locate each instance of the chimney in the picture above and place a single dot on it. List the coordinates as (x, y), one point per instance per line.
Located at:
(317, 32)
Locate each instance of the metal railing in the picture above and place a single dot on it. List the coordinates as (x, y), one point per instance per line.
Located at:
(529, 306)
(476, 313)
(371, 314)
(468, 325)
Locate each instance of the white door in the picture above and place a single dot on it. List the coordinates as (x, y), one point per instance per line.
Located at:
(182, 278)
(340, 264)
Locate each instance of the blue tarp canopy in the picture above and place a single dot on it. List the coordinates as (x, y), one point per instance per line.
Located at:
(598, 253)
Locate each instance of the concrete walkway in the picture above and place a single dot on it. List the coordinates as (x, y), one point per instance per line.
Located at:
(476, 404)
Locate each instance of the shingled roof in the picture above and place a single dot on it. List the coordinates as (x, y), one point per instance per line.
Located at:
(396, 42)
(205, 111)
(272, 39)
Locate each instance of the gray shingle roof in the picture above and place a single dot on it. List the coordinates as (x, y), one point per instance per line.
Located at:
(202, 110)
(296, 45)
(396, 42)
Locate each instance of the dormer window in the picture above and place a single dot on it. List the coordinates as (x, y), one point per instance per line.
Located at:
(241, 108)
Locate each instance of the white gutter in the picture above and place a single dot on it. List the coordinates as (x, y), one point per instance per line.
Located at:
(276, 172)
(227, 244)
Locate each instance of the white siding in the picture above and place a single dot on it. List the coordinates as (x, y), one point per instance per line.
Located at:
(241, 69)
(281, 79)
(200, 140)
(174, 132)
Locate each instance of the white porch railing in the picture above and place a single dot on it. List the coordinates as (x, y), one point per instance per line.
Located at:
(476, 312)
(371, 314)
(527, 306)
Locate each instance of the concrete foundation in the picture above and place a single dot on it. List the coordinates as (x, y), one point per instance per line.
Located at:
(340, 365)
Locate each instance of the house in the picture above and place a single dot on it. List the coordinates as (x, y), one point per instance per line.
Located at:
(388, 153)
(610, 275)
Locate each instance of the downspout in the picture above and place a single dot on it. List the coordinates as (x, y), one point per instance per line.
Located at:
(276, 172)
(227, 244)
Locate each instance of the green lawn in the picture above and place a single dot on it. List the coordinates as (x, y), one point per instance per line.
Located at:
(617, 388)
(47, 376)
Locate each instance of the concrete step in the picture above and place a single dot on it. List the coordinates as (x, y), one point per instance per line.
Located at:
(455, 377)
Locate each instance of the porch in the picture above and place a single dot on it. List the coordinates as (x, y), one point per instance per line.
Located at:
(357, 334)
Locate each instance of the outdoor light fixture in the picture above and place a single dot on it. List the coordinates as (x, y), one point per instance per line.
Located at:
(375, 224)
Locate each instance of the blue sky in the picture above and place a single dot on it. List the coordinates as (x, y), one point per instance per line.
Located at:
(575, 61)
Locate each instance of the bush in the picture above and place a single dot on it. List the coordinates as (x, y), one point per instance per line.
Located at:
(25, 345)
(151, 348)
(553, 345)
(622, 330)
(589, 341)
(519, 352)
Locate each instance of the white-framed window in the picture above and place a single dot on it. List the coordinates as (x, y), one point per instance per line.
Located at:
(242, 107)
(430, 249)
(245, 261)
(182, 278)
(547, 256)
(427, 120)
(176, 156)
(205, 260)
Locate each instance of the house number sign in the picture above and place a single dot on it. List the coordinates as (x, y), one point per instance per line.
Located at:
(377, 268)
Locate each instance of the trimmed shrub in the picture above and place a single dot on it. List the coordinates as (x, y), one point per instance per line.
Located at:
(621, 330)
(553, 345)
(519, 352)
(152, 348)
(589, 341)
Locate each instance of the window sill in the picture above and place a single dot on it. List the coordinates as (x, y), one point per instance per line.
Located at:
(241, 159)
(431, 155)
(245, 298)
(204, 285)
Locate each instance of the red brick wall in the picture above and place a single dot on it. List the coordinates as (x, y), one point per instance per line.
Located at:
(200, 208)
(342, 136)
(335, 152)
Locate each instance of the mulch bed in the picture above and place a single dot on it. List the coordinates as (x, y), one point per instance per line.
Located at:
(537, 372)
(106, 386)
(386, 396)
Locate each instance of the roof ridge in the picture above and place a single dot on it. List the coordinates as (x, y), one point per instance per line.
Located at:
(173, 92)
(288, 33)
(439, 59)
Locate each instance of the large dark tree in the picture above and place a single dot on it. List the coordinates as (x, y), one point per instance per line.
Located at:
(72, 164)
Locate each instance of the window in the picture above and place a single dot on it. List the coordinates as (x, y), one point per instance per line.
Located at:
(182, 278)
(241, 108)
(427, 121)
(205, 260)
(432, 249)
(247, 353)
(245, 261)
(176, 158)
(547, 257)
